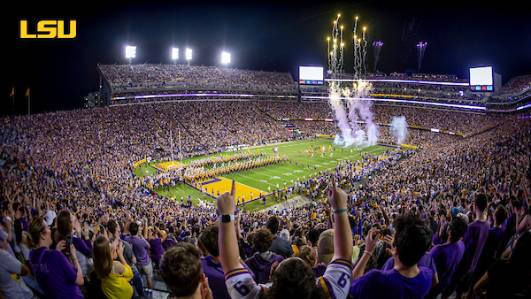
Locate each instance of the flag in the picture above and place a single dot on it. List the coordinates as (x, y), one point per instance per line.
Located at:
(27, 92)
(12, 94)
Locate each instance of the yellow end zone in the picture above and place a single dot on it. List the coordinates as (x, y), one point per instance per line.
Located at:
(220, 185)
(169, 165)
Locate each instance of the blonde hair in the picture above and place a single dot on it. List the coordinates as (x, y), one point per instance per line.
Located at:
(307, 254)
(102, 257)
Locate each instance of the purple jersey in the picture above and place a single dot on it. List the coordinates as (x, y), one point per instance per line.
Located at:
(216, 277)
(156, 249)
(475, 239)
(319, 270)
(168, 243)
(489, 250)
(54, 273)
(447, 257)
(392, 284)
(260, 264)
(425, 261)
(140, 248)
(83, 246)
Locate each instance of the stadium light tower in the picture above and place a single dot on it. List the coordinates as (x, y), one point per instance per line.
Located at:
(130, 53)
(188, 55)
(174, 54)
(225, 57)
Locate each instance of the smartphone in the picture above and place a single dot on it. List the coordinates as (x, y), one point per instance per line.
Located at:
(68, 243)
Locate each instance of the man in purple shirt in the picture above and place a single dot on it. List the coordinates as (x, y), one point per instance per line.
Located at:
(493, 242)
(264, 259)
(141, 249)
(448, 255)
(155, 243)
(426, 261)
(406, 279)
(475, 239)
(208, 243)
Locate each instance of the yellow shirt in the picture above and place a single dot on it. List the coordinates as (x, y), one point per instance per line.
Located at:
(116, 286)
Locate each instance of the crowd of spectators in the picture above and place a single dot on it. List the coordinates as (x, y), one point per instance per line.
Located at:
(517, 85)
(415, 116)
(450, 218)
(123, 78)
(146, 79)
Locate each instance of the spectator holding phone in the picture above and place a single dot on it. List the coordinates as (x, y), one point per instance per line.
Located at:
(112, 269)
(56, 275)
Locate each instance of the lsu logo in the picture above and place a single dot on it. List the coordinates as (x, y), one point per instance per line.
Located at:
(49, 29)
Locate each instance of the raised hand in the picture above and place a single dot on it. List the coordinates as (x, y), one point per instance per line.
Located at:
(120, 249)
(336, 196)
(371, 240)
(226, 201)
(206, 293)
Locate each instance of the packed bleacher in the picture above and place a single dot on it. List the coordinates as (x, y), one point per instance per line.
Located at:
(406, 76)
(450, 219)
(130, 84)
(466, 123)
(517, 85)
(178, 77)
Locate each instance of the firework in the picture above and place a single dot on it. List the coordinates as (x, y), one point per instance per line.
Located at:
(350, 121)
(421, 48)
(377, 48)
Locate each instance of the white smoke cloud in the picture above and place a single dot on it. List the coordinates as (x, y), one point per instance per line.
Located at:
(398, 129)
(341, 118)
(351, 132)
(372, 134)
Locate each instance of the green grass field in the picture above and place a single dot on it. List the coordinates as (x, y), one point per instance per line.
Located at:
(183, 191)
(300, 166)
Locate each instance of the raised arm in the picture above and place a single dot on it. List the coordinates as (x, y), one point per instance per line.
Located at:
(370, 244)
(228, 244)
(343, 234)
(386, 218)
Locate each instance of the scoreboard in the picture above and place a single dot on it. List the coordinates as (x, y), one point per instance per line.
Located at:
(481, 79)
(311, 75)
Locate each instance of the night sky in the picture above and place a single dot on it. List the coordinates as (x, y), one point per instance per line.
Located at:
(266, 35)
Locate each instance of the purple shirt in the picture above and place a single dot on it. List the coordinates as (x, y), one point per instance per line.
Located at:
(475, 238)
(168, 243)
(392, 284)
(83, 246)
(438, 239)
(54, 273)
(425, 261)
(447, 257)
(489, 250)
(140, 249)
(261, 266)
(216, 277)
(319, 270)
(156, 249)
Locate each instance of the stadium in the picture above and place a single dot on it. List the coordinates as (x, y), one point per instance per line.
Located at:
(341, 171)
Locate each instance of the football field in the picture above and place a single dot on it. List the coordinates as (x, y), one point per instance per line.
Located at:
(305, 159)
